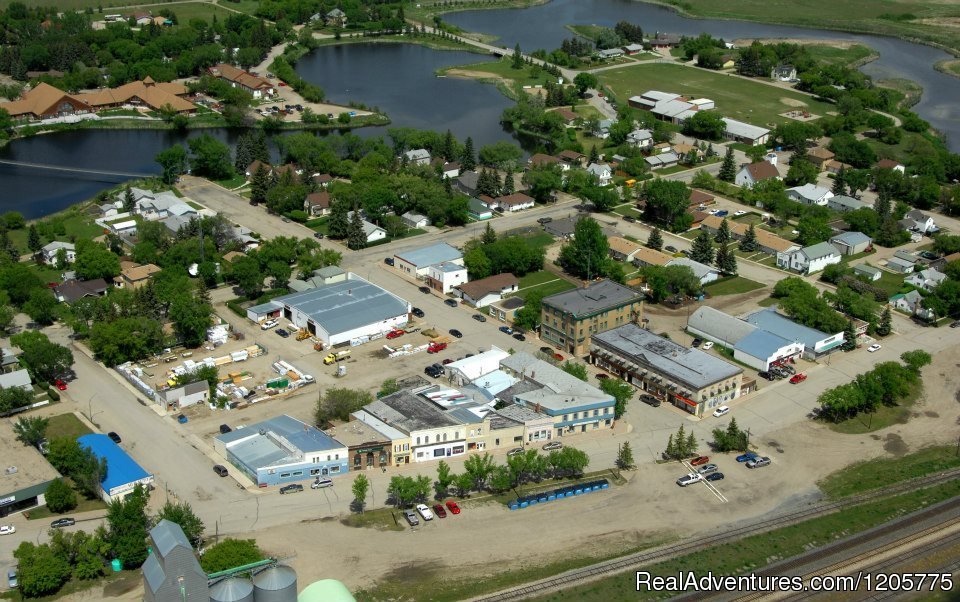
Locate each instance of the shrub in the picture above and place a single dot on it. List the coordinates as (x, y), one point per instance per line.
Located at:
(60, 497)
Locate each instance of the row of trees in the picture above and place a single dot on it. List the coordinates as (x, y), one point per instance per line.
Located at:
(886, 384)
(492, 255)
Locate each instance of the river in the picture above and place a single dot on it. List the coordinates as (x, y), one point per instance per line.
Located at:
(399, 79)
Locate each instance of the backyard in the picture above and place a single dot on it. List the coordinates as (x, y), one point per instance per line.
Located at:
(543, 281)
(733, 285)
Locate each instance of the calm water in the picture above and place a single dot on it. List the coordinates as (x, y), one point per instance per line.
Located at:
(399, 79)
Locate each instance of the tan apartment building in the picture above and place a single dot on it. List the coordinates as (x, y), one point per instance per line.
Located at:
(569, 319)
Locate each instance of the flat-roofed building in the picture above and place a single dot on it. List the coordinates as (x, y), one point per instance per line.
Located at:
(433, 433)
(367, 447)
(416, 262)
(26, 476)
(569, 319)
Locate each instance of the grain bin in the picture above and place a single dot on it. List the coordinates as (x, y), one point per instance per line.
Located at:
(276, 584)
(233, 589)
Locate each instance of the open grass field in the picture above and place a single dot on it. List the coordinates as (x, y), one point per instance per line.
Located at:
(66, 425)
(732, 286)
(184, 11)
(529, 75)
(881, 472)
(737, 98)
(932, 20)
(855, 54)
(195, 10)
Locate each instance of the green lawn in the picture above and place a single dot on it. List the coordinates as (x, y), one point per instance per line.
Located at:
(628, 210)
(66, 425)
(234, 182)
(539, 239)
(381, 519)
(840, 56)
(548, 286)
(529, 75)
(890, 282)
(880, 472)
(591, 32)
(75, 225)
(732, 286)
(851, 258)
(768, 302)
(535, 278)
(735, 97)
(83, 505)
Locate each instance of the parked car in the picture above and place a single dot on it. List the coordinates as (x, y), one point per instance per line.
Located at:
(629, 218)
(7, 529)
(766, 375)
(425, 290)
(63, 522)
(544, 220)
(515, 452)
(285, 220)
(480, 317)
(221, 470)
(519, 336)
(955, 324)
(456, 333)
(699, 461)
(758, 462)
(395, 334)
(873, 348)
(558, 357)
(798, 378)
(650, 400)
(715, 476)
(603, 376)
(547, 350)
(321, 483)
(708, 468)
(670, 249)
(291, 488)
(453, 507)
(707, 345)
(60, 384)
(722, 213)
(268, 324)
(689, 479)
(552, 445)
(411, 517)
(388, 260)
(417, 312)
(739, 213)
(424, 511)
(282, 333)
(114, 437)
(506, 330)
(449, 360)
(224, 429)
(433, 370)
(747, 457)
(450, 302)
(696, 342)
(721, 411)
(12, 582)
(439, 511)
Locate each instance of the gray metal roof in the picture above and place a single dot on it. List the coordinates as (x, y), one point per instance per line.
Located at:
(768, 319)
(761, 344)
(866, 269)
(519, 413)
(597, 297)
(848, 202)
(329, 271)
(739, 128)
(379, 425)
(278, 440)
(430, 255)
(408, 412)
(699, 269)
(719, 326)
(821, 249)
(553, 388)
(343, 306)
(691, 367)
(153, 573)
(851, 239)
(166, 536)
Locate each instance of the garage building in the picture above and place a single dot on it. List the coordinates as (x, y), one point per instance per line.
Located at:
(123, 473)
(751, 344)
(351, 311)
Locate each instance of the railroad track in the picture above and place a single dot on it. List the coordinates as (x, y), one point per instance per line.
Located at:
(634, 561)
(917, 554)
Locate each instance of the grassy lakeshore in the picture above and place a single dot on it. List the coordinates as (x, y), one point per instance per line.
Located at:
(432, 42)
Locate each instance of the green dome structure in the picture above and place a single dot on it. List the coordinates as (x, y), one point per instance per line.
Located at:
(326, 590)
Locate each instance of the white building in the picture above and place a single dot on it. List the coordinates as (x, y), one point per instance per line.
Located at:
(810, 194)
(640, 138)
(751, 345)
(415, 220)
(809, 260)
(443, 277)
(745, 133)
(418, 156)
(752, 173)
(371, 231)
(927, 280)
(181, 397)
(415, 263)
(483, 292)
(602, 172)
(703, 272)
(470, 369)
(51, 249)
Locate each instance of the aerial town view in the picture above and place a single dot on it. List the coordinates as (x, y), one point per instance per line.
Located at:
(479, 300)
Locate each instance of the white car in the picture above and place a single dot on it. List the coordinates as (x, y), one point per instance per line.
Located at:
(7, 529)
(689, 479)
(721, 411)
(713, 211)
(268, 325)
(874, 347)
(321, 483)
(739, 213)
(707, 345)
(425, 512)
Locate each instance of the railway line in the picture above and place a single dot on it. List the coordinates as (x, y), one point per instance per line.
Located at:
(647, 557)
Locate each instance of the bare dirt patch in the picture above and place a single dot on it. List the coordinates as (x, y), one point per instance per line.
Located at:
(953, 22)
(792, 102)
(842, 44)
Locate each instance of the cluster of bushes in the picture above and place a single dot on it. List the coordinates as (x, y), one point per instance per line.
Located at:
(886, 384)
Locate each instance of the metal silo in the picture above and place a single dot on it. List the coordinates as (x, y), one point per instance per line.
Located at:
(233, 589)
(276, 584)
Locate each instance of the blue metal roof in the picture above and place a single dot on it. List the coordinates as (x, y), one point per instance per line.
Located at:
(121, 468)
(768, 319)
(260, 445)
(761, 344)
(425, 256)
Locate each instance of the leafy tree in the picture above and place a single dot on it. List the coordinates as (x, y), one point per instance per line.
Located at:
(499, 154)
(60, 497)
(655, 240)
(575, 369)
(33, 239)
(173, 162)
(528, 316)
(125, 339)
(40, 572)
(95, 260)
(586, 254)
(230, 553)
(702, 248)
(209, 157)
(728, 169)
(463, 484)
(479, 468)
(31, 430)
(183, 515)
(723, 233)
(812, 230)
(886, 323)
(663, 281)
(916, 359)
(360, 487)
(444, 477)
(621, 393)
(625, 457)
(45, 359)
(7, 314)
(708, 125)
(191, 319)
(543, 181)
(666, 203)
(501, 479)
(12, 398)
(128, 525)
(338, 403)
(840, 182)
(245, 271)
(802, 172)
(584, 81)
(41, 307)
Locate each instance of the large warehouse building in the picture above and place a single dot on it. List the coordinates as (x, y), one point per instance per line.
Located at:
(350, 311)
(123, 473)
(752, 345)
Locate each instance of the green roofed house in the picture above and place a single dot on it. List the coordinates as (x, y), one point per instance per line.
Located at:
(478, 211)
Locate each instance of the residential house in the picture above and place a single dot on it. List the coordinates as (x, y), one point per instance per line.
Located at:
(767, 241)
(141, 18)
(891, 164)
(632, 49)
(417, 156)
(483, 292)
(573, 158)
(540, 159)
(371, 231)
(478, 210)
(445, 276)
(809, 194)
(415, 262)
(50, 251)
(154, 206)
(851, 243)
(450, 169)
(918, 221)
(664, 41)
(17, 379)
(506, 309)
(144, 93)
(844, 203)
(256, 165)
(562, 228)
(819, 156)
(867, 272)
(704, 273)
(835, 166)
(514, 202)
(134, 275)
(728, 61)
(752, 173)
(337, 18)
(809, 260)
(662, 160)
(745, 132)
(622, 249)
(641, 139)
(322, 180)
(927, 279)
(415, 220)
(43, 101)
(602, 172)
(646, 256)
(567, 115)
(467, 182)
(784, 73)
(610, 53)
(317, 203)
(257, 86)
(912, 303)
(74, 290)
(700, 199)
(603, 128)
(569, 319)
(684, 150)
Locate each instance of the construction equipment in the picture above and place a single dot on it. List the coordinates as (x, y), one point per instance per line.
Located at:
(318, 346)
(303, 334)
(336, 356)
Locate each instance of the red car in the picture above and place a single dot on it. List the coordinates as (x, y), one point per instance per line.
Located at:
(439, 511)
(699, 461)
(60, 384)
(798, 378)
(558, 357)
(447, 361)
(395, 334)
(453, 507)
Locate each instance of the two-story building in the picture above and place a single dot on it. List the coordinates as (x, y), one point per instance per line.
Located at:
(809, 260)
(446, 276)
(52, 249)
(433, 433)
(568, 319)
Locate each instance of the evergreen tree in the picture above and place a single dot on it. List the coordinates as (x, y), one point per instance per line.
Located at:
(655, 240)
(671, 451)
(728, 170)
(625, 457)
(468, 159)
(356, 238)
(702, 248)
(723, 233)
(242, 153)
(840, 182)
(749, 241)
(517, 58)
(33, 239)
(259, 185)
(594, 154)
(449, 148)
(7, 246)
(882, 204)
(711, 152)
(849, 337)
(339, 224)
(488, 183)
(692, 445)
(508, 187)
(886, 323)
(726, 261)
(489, 235)
(128, 201)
